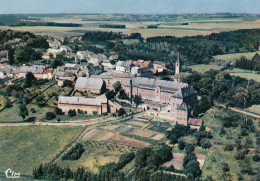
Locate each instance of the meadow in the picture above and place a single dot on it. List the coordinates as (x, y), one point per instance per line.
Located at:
(23, 148)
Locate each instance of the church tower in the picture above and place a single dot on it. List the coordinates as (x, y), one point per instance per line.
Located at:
(178, 65)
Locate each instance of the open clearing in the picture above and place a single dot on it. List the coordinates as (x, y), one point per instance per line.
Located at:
(118, 139)
(23, 148)
(177, 161)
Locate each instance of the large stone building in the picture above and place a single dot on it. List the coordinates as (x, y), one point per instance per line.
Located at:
(179, 97)
(93, 85)
(87, 105)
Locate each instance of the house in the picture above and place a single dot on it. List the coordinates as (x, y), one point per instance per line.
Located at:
(35, 70)
(72, 66)
(95, 70)
(4, 57)
(5, 72)
(87, 105)
(82, 55)
(93, 85)
(107, 65)
(159, 66)
(47, 74)
(195, 123)
(123, 66)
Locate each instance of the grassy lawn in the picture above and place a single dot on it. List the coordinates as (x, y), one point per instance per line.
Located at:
(227, 58)
(247, 74)
(205, 67)
(23, 148)
(10, 114)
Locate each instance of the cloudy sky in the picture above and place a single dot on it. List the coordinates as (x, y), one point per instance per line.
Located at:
(129, 6)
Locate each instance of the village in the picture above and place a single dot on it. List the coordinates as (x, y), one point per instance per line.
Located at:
(96, 79)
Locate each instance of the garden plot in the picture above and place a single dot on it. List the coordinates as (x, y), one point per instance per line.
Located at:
(158, 136)
(94, 134)
(122, 140)
(111, 127)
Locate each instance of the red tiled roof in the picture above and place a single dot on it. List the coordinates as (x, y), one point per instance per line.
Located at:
(16, 71)
(144, 65)
(47, 71)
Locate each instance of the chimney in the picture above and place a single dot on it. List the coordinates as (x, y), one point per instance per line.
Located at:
(131, 91)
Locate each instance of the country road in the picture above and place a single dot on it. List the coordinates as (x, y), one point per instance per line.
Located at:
(81, 123)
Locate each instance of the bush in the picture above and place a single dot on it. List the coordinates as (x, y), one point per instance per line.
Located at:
(58, 111)
(256, 158)
(74, 153)
(72, 113)
(121, 112)
(229, 147)
(50, 115)
(181, 145)
(33, 110)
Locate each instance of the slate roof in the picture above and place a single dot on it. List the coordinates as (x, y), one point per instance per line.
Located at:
(179, 89)
(33, 70)
(89, 83)
(185, 92)
(81, 101)
(183, 107)
(153, 83)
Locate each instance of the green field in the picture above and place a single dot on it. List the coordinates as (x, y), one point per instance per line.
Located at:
(205, 67)
(231, 58)
(23, 148)
(247, 74)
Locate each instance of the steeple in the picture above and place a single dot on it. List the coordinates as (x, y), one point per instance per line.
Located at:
(178, 65)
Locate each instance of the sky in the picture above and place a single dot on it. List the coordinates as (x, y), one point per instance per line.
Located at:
(129, 6)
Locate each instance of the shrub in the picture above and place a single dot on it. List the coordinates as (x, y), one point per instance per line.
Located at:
(58, 111)
(181, 145)
(229, 147)
(72, 113)
(256, 158)
(33, 110)
(50, 115)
